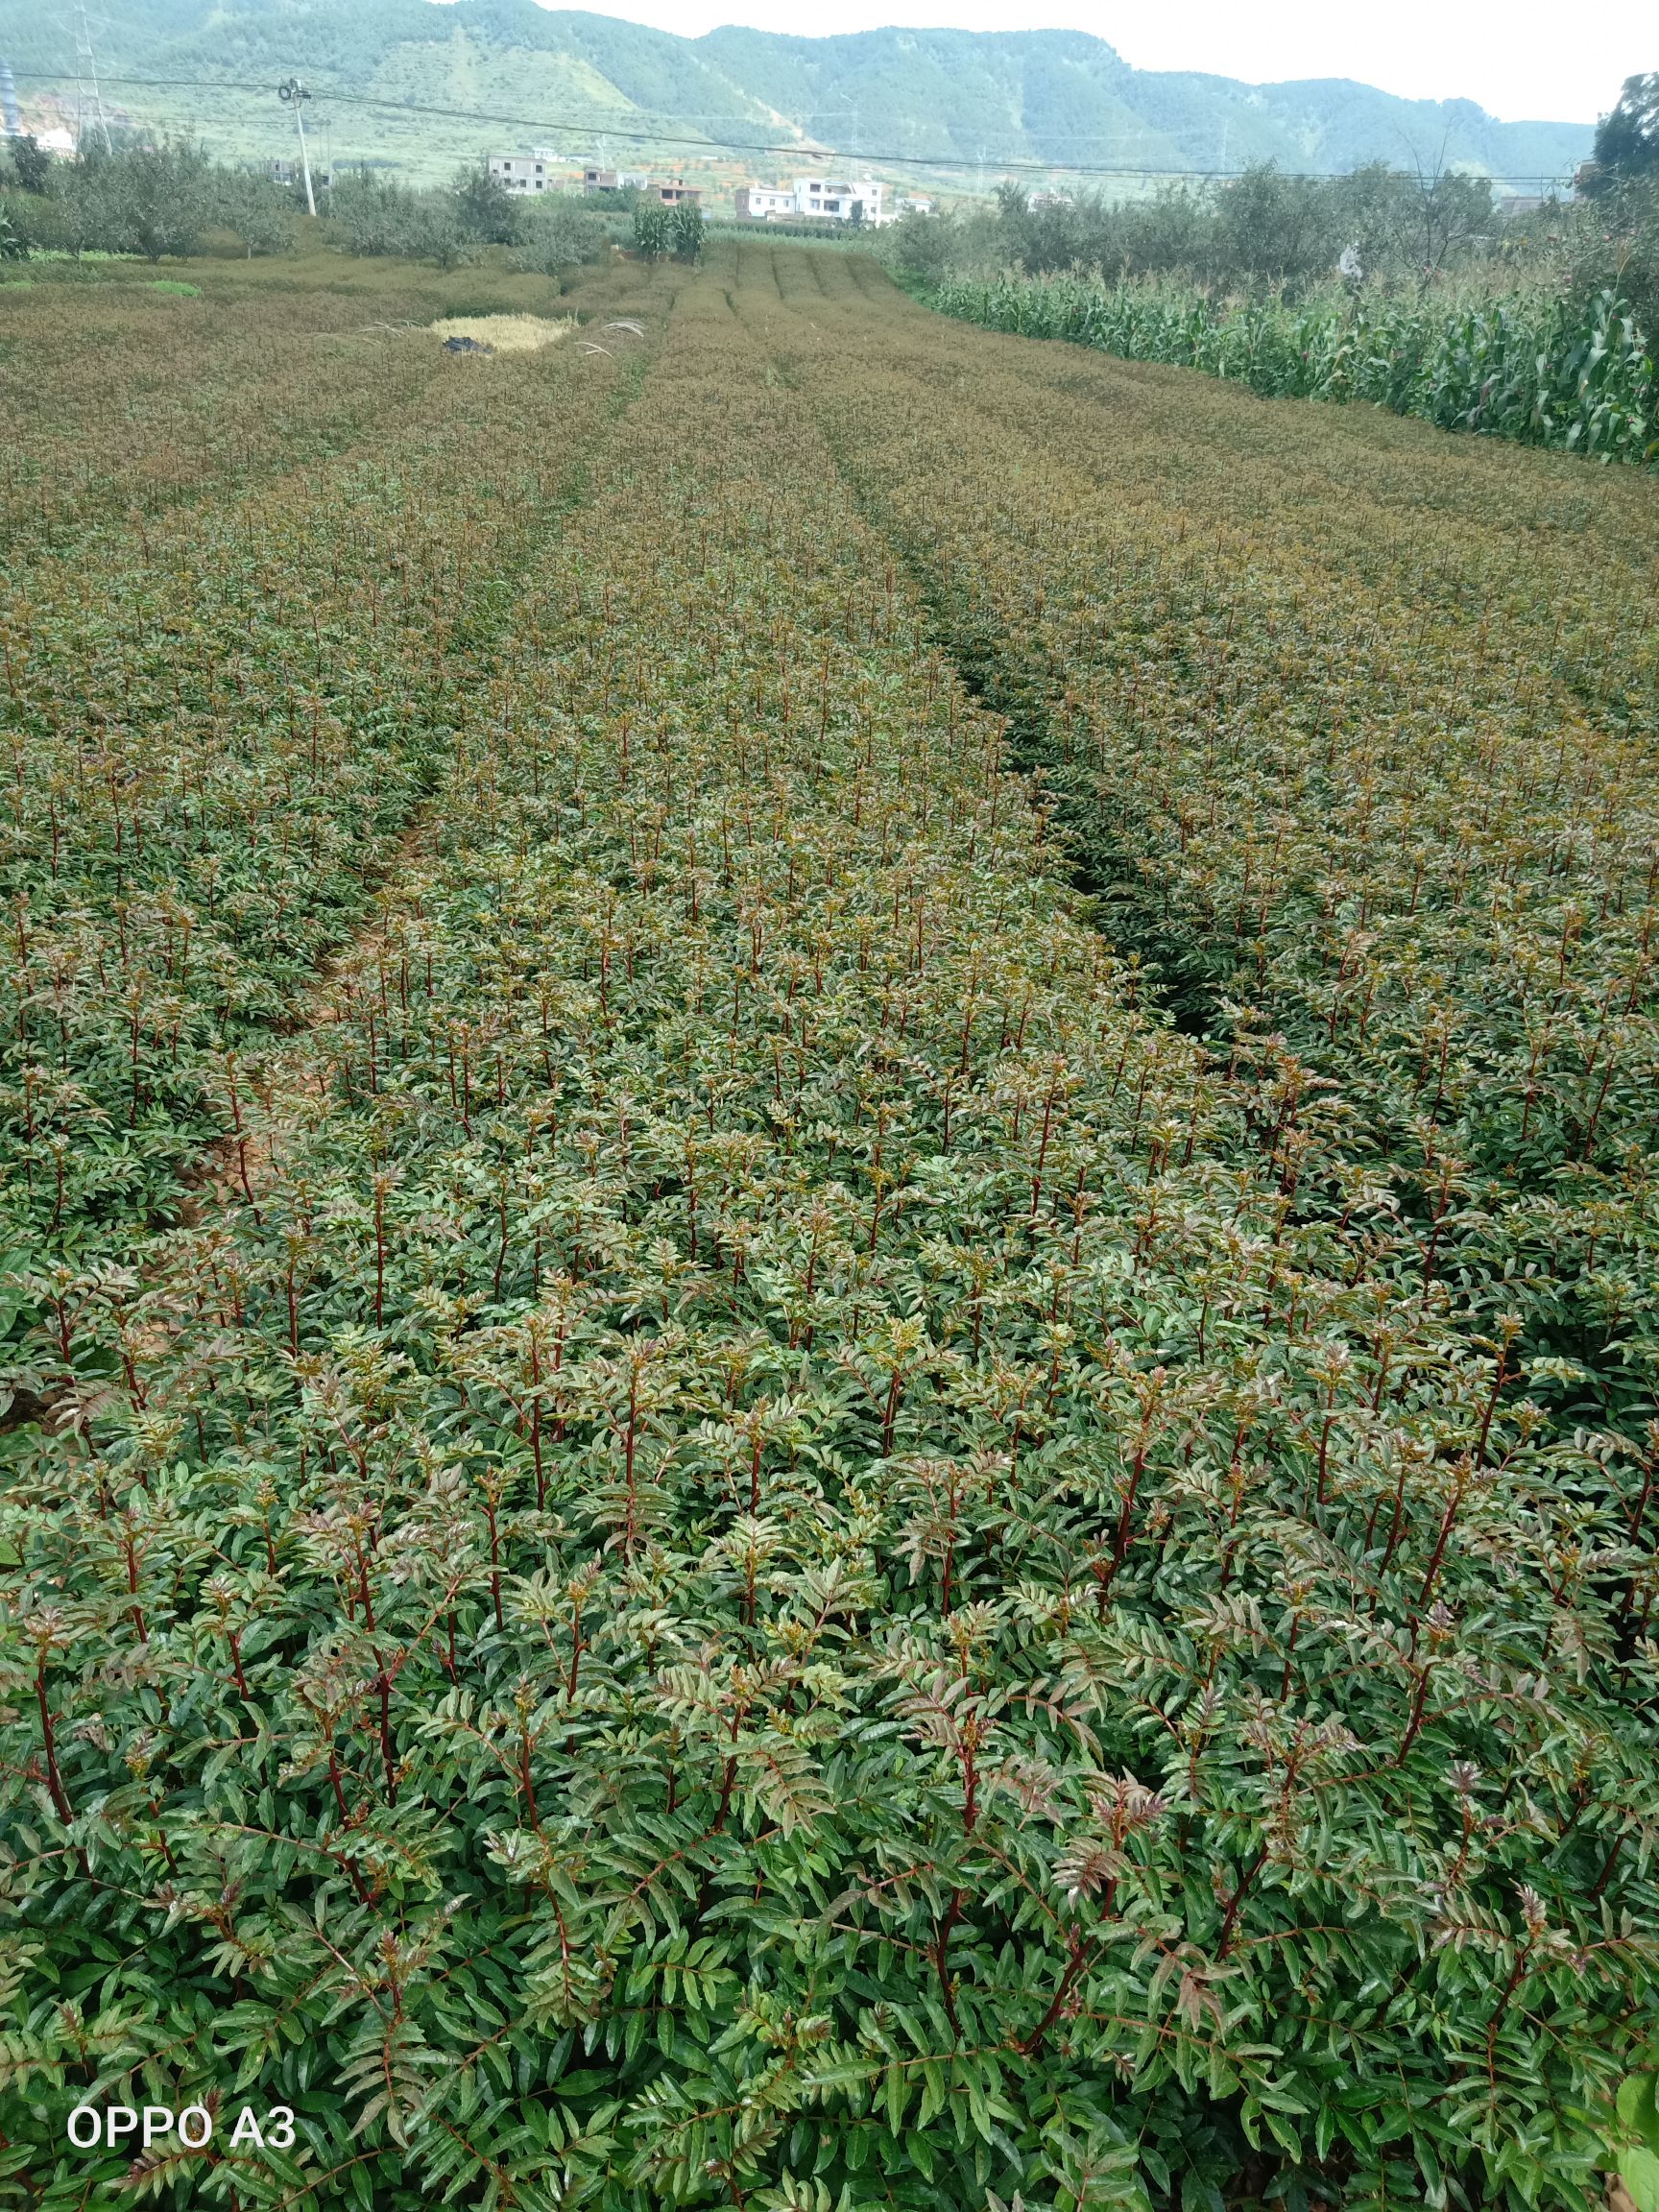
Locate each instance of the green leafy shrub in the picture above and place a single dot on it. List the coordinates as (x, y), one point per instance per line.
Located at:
(558, 232)
(1638, 2115)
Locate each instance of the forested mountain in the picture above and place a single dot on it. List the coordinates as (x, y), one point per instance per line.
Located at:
(986, 99)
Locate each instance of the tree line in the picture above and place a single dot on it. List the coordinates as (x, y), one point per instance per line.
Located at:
(170, 198)
(1268, 233)
(1398, 230)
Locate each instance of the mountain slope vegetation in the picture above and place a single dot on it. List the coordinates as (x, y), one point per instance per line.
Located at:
(1057, 97)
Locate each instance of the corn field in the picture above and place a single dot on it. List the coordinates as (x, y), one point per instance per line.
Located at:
(830, 1253)
(1542, 372)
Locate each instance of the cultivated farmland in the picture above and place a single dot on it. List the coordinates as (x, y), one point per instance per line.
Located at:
(830, 1272)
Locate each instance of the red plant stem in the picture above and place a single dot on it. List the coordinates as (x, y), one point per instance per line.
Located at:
(388, 1749)
(942, 1964)
(1451, 1508)
(1225, 1941)
(1078, 1961)
(49, 1741)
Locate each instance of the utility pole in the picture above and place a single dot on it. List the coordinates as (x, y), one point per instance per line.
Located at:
(87, 73)
(295, 95)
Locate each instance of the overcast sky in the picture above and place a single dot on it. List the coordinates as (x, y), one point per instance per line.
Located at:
(1521, 60)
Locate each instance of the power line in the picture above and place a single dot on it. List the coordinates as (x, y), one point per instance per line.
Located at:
(793, 147)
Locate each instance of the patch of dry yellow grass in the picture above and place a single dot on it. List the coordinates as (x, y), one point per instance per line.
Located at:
(506, 333)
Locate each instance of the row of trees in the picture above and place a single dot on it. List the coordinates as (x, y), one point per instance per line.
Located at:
(374, 214)
(1264, 227)
(139, 199)
(171, 199)
(1269, 231)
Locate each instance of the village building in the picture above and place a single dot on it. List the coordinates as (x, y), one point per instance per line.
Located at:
(817, 199)
(763, 203)
(671, 191)
(522, 172)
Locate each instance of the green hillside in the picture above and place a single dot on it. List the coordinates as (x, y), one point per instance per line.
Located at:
(503, 72)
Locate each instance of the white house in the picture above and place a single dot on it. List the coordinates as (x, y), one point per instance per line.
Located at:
(835, 199)
(522, 172)
(761, 202)
(817, 199)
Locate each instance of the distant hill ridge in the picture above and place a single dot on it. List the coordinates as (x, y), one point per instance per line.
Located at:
(1043, 97)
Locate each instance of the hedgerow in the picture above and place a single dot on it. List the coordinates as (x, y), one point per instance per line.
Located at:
(772, 1543)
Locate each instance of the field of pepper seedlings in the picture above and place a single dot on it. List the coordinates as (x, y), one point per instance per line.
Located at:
(830, 1269)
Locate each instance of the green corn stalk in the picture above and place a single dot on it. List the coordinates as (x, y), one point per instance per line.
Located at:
(1575, 381)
